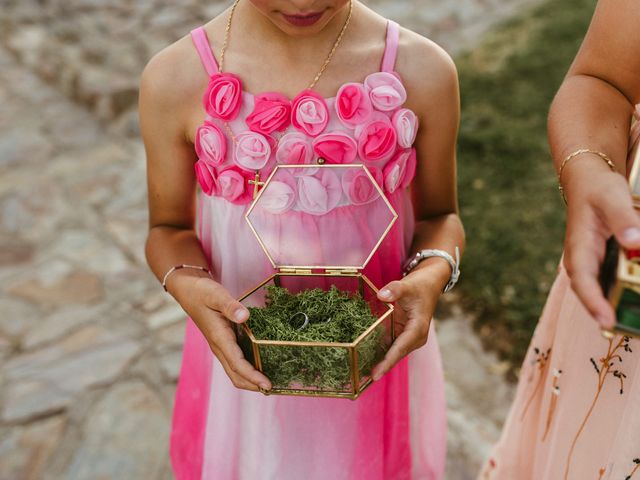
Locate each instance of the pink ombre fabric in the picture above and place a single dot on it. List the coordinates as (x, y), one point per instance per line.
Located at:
(397, 428)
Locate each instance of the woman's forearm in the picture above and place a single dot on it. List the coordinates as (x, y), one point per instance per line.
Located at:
(169, 246)
(588, 113)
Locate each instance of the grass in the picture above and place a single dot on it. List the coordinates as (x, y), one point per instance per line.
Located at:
(510, 205)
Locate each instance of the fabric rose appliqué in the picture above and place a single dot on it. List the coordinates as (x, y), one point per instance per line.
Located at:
(206, 175)
(385, 90)
(376, 140)
(336, 147)
(233, 185)
(309, 113)
(406, 124)
(223, 97)
(319, 194)
(271, 113)
(294, 149)
(353, 104)
(210, 144)
(359, 187)
(252, 151)
(280, 195)
(399, 172)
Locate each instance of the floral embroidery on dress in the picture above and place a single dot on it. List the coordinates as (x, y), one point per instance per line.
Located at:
(541, 359)
(555, 394)
(604, 368)
(635, 470)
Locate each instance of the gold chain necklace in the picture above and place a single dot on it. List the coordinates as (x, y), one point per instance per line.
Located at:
(227, 33)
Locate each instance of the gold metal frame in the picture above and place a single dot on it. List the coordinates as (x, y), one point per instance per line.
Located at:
(324, 271)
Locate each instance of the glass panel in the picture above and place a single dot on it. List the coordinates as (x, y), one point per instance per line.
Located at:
(320, 216)
(628, 312)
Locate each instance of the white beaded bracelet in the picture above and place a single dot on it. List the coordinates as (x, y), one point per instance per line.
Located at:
(178, 267)
(411, 263)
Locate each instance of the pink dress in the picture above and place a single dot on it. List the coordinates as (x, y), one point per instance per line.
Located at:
(397, 428)
(576, 415)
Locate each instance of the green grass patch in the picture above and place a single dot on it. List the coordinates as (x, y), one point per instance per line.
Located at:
(510, 206)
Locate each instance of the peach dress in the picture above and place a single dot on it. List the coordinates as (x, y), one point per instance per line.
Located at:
(576, 415)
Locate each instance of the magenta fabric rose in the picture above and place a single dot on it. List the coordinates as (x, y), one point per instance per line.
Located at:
(271, 113)
(406, 124)
(252, 151)
(376, 140)
(223, 97)
(233, 185)
(353, 104)
(206, 175)
(309, 113)
(210, 144)
(320, 193)
(336, 147)
(399, 172)
(359, 187)
(385, 91)
(281, 193)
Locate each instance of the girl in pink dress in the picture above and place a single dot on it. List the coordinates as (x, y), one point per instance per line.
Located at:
(286, 82)
(576, 415)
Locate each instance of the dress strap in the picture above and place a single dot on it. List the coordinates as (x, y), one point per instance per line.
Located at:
(391, 47)
(201, 42)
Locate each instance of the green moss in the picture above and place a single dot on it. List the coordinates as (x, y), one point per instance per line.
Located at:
(325, 368)
(510, 205)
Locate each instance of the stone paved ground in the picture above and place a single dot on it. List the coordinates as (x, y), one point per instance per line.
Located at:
(89, 344)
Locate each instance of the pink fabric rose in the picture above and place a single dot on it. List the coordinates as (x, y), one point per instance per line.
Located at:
(406, 124)
(353, 104)
(233, 185)
(223, 96)
(336, 147)
(399, 172)
(309, 113)
(320, 193)
(252, 151)
(385, 90)
(359, 187)
(206, 175)
(271, 113)
(211, 144)
(280, 194)
(294, 149)
(376, 140)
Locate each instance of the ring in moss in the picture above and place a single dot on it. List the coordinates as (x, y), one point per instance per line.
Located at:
(334, 316)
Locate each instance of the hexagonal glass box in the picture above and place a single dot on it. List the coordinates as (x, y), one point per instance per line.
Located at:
(319, 225)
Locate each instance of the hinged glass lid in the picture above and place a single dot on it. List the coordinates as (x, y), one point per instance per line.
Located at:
(320, 216)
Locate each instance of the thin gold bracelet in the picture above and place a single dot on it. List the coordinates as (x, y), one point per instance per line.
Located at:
(603, 156)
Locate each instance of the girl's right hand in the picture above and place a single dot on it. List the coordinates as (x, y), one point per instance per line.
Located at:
(599, 205)
(214, 310)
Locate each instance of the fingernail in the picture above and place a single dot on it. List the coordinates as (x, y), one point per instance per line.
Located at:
(604, 321)
(631, 235)
(265, 386)
(386, 293)
(240, 315)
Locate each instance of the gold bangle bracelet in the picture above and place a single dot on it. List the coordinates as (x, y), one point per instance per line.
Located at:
(603, 156)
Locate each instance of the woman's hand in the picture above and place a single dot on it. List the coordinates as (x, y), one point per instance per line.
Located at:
(599, 205)
(415, 298)
(214, 311)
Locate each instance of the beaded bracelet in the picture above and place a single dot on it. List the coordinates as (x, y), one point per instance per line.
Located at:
(604, 157)
(179, 267)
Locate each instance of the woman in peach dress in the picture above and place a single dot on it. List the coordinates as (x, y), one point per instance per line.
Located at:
(576, 415)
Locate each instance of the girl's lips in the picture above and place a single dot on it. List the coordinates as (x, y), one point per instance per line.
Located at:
(303, 20)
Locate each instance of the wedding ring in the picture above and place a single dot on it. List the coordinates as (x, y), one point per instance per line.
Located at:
(301, 319)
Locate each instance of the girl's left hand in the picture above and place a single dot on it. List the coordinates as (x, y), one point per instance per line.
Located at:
(415, 298)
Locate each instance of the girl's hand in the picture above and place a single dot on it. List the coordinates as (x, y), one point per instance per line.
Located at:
(415, 297)
(599, 205)
(214, 311)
